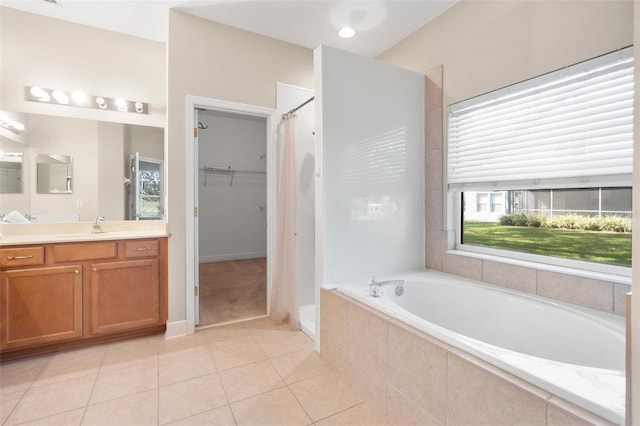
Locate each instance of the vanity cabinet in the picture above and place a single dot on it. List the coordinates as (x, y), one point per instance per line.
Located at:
(59, 295)
(41, 305)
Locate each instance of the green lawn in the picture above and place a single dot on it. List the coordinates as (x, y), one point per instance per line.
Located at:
(603, 247)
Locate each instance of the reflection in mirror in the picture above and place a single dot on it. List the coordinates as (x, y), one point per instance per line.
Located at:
(11, 173)
(101, 169)
(54, 174)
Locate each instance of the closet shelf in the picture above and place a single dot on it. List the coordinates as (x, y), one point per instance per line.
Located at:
(227, 171)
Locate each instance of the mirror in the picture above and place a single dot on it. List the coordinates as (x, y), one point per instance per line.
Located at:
(94, 173)
(53, 174)
(11, 173)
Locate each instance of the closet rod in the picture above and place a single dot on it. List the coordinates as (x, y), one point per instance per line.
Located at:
(298, 107)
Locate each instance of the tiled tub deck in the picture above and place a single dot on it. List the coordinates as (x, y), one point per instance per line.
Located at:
(416, 379)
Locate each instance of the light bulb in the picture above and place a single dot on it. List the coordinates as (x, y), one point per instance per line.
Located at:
(121, 104)
(60, 96)
(139, 107)
(101, 103)
(18, 126)
(37, 91)
(79, 97)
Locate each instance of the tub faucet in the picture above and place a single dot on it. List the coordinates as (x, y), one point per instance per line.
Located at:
(97, 228)
(375, 286)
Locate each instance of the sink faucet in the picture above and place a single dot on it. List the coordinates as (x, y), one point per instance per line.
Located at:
(375, 286)
(97, 228)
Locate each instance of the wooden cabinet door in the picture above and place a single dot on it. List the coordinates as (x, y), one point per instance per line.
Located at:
(124, 295)
(40, 305)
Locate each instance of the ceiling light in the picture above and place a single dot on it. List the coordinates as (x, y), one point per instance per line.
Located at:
(346, 32)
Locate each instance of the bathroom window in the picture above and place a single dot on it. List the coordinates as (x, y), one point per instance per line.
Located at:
(541, 170)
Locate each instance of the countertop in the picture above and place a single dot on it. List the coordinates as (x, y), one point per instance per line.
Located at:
(42, 233)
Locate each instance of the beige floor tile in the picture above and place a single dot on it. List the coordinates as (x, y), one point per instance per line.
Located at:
(180, 345)
(226, 334)
(194, 363)
(69, 418)
(236, 354)
(18, 375)
(7, 403)
(113, 384)
(360, 415)
(129, 353)
(219, 417)
(185, 399)
(325, 395)
(277, 407)
(52, 399)
(134, 410)
(295, 342)
(249, 380)
(299, 366)
(71, 364)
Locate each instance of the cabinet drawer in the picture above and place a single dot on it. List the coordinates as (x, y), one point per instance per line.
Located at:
(24, 256)
(144, 248)
(77, 252)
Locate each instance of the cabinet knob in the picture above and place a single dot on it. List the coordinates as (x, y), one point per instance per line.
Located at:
(76, 271)
(94, 269)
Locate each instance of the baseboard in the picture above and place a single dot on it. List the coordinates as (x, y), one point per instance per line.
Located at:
(233, 256)
(178, 329)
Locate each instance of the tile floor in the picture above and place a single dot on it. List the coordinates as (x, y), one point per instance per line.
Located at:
(232, 290)
(250, 373)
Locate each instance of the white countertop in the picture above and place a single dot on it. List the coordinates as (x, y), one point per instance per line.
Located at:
(42, 233)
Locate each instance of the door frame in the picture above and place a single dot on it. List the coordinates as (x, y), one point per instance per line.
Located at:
(192, 263)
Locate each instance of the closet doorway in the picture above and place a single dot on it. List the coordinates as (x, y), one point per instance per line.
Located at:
(231, 221)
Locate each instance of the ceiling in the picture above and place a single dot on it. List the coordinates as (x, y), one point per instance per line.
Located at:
(380, 23)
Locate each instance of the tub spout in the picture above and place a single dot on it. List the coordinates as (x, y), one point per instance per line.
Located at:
(375, 286)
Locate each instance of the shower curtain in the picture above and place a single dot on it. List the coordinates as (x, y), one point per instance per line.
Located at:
(284, 288)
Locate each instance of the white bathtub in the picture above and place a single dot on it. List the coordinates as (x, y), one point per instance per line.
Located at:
(575, 353)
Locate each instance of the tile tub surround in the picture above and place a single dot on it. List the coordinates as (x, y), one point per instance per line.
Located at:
(416, 379)
(227, 375)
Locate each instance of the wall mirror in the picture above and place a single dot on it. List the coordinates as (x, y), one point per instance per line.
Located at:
(11, 173)
(94, 171)
(54, 174)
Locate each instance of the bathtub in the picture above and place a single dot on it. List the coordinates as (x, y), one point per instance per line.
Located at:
(575, 353)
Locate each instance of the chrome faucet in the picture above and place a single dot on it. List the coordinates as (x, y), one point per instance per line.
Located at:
(97, 228)
(375, 286)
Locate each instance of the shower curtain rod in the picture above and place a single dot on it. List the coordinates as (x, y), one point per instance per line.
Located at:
(298, 107)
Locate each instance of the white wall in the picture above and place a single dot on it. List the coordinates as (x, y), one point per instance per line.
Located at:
(371, 123)
(289, 97)
(111, 194)
(232, 214)
(51, 53)
(220, 62)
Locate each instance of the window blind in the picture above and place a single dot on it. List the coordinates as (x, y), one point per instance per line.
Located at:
(569, 128)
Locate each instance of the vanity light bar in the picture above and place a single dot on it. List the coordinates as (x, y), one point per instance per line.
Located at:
(81, 99)
(10, 124)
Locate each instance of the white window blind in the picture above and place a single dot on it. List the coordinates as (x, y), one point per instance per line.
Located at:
(568, 128)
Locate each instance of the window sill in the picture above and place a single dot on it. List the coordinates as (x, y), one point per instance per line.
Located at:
(594, 275)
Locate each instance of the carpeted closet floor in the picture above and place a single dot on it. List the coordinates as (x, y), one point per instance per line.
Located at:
(232, 290)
